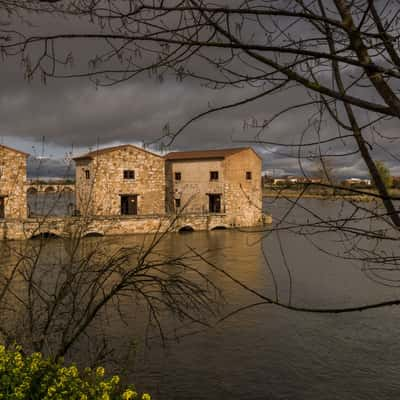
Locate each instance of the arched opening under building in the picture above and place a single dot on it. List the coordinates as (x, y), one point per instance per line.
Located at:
(50, 189)
(45, 235)
(186, 229)
(94, 234)
(32, 190)
(218, 228)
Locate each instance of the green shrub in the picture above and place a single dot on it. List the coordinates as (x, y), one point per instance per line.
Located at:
(34, 377)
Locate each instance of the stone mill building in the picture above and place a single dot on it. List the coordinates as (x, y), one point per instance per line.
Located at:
(13, 198)
(225, 181)
(121, 180)
(126, 189)
(129, 181)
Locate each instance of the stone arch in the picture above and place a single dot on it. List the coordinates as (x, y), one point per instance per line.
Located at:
(186, 229)
(67, 190)
(32, 190)
(45, 235)
(93, 234)
(50, 189)
(219, 227)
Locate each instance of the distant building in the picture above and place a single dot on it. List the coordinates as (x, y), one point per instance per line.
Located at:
(356, 181)
(121, 180)
(225, 181)
(294, 180)
(13, 198)
(396, 182)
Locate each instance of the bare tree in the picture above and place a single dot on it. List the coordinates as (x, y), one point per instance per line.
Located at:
(344, 54)
(54, 293)
(341, 57)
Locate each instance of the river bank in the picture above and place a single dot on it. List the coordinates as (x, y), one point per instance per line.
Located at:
(328, 194)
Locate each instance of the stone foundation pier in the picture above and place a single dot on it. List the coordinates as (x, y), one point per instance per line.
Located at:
(22, 229)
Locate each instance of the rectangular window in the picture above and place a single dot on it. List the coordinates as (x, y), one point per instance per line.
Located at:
(2, 212)
(177, 203)
(87, 174)
(129, 204)
(248, 175)
(178, 176)
(129, 174)
(213, 175)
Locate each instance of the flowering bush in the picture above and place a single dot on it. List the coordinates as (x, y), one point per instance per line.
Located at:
(36, 378)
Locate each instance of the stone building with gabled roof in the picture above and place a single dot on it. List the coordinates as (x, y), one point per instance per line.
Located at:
(223, 181)
(13, 198)
(120, 180)
(129, 181)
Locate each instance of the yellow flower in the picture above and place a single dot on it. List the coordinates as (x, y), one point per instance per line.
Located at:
(115, 380)
(105, 397)
(100, 371)
(129, 394)
(146, 396)
(83, 397)
(51, 390)
(73, 371)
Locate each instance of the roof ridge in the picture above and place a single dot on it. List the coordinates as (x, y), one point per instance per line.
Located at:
(94, 153)
(15, 150)
(219, 153)
(205, 150)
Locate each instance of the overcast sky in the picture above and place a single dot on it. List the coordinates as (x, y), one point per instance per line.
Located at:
(70, 116)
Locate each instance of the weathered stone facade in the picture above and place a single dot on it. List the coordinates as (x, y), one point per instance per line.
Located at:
(224, 181)
(127, 190)
(108, 177)
(22, 229)
(13, 198)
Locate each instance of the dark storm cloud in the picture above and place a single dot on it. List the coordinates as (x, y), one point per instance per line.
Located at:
(42, 168)
(73, 112)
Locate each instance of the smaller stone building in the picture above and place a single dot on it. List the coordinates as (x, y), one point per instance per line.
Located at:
(121, 180)
(225, 182)
(13, 198)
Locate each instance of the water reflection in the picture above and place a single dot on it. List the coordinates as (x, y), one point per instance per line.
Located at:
(263, 352)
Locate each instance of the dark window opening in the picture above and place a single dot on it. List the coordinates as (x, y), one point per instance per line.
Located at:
(177, 203)
(248, 175)
(213, 175)
(129, 204)
(87, 174)
(129, 174)
(214, 203)
(178, 176)
(2, 212)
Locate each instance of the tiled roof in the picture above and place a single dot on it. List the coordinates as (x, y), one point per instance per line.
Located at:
(204, 154)
(14, 150)
(98, 152)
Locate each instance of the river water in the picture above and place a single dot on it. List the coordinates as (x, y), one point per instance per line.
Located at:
(265, 351)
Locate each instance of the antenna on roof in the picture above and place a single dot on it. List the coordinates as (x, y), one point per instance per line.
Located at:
(42, 156)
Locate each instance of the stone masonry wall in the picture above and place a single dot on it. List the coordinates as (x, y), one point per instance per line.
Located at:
(102, 191)
(195, 184)
(83, 187)
(243, 197)
(19, 229)
(12, 183)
